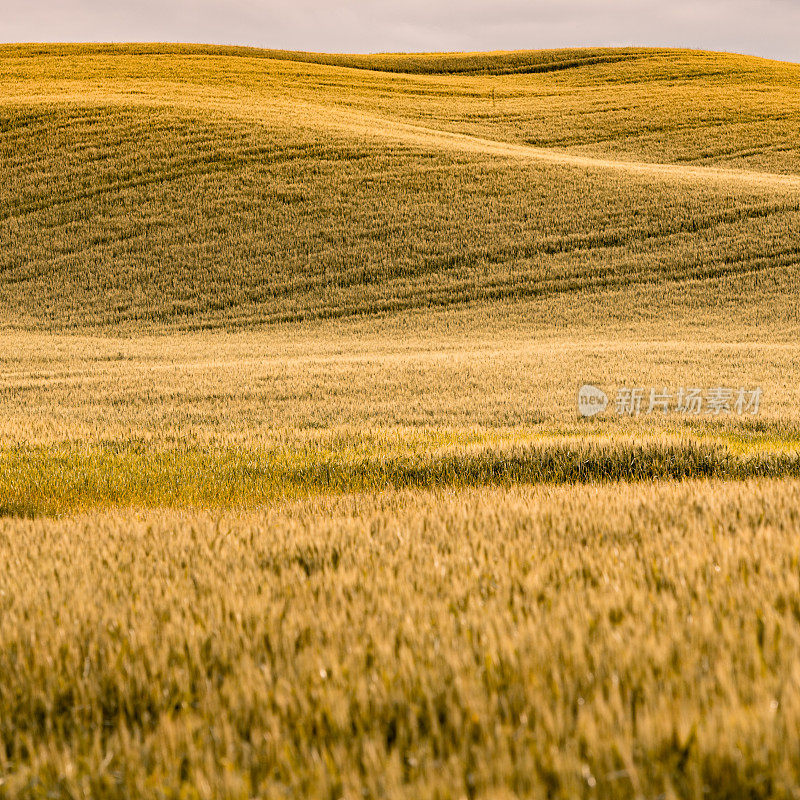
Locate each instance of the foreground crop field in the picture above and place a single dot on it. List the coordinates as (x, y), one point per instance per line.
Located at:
(294, 498)
(216, 586)
(624, 641)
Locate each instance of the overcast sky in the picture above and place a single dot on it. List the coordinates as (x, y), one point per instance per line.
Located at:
(768, 28)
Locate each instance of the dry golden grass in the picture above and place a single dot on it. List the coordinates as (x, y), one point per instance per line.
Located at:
(516, 371)
(617, 642)
(204, 190)
(288, 345)
(240, 419)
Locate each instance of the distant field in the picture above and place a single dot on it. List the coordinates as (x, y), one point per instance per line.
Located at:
(201, 190)
(294, 497)
(499, 63)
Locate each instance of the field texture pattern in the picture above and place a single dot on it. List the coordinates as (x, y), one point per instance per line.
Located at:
(599, 642)
(294, 498)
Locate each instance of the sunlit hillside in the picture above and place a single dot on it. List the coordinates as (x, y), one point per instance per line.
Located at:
(295, 498)
(206, 187)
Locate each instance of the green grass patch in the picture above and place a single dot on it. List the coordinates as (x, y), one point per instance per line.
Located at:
(51, 480)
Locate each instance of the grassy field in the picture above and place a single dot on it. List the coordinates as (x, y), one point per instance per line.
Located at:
(214, 420)
(294, 497)
(201, 191)
(621, 641)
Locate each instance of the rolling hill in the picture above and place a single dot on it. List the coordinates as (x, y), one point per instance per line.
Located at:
(183, 187)
(294, 497)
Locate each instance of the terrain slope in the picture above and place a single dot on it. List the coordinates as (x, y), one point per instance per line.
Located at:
(295, 501)
(146, 187)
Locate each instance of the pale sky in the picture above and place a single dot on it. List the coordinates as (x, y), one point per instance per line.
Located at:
(768, 28)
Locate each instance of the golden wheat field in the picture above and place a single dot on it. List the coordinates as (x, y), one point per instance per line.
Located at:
(295, 500)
